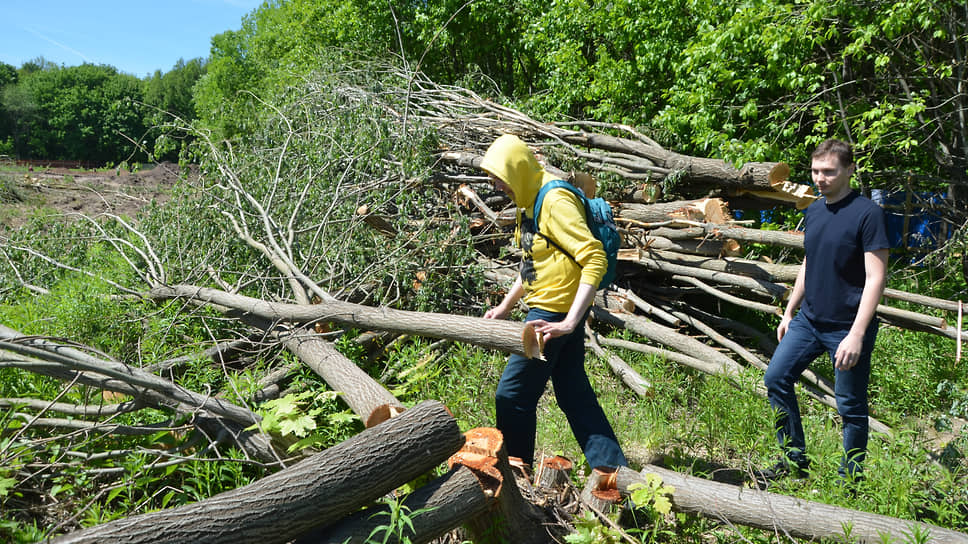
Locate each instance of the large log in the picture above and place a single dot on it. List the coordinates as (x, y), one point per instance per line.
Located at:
(433, 510)
(776, 273)
(318, 491)
(783, 515)
(693, 171)
(708, 248)
(489, 333)
(711, 210)
(791, 239)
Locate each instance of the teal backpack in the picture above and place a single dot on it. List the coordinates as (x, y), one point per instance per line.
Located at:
(600, 221)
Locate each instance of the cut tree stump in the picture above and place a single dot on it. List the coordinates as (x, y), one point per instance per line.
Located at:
(783, 515)
(601, 492)
(510, 518)
(553, 472)
(318, 491)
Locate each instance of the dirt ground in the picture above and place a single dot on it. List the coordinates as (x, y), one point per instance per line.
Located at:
(90, 193)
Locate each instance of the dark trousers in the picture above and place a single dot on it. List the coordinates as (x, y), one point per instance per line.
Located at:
(523, 383)
(804, 342)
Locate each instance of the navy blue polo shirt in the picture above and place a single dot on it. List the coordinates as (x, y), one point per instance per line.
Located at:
(836, 237)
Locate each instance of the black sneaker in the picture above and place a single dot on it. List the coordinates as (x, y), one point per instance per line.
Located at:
(781, 469)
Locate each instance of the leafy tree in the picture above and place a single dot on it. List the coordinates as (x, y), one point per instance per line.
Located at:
(83, 112)
(171, 91)
(8, 74)
(772, 78)
(21, 123)
(169, 97)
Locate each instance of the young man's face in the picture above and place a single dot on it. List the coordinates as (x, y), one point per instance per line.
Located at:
(831, 177)
(501, 186)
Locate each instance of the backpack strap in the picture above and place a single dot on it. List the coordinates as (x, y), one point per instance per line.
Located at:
(538, 200)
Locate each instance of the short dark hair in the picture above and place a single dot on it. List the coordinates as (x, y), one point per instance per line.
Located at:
(838, 148)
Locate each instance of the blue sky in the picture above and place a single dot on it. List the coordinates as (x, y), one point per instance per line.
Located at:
(135, 36)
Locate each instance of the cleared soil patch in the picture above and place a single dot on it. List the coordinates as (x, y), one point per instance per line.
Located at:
(90, 193)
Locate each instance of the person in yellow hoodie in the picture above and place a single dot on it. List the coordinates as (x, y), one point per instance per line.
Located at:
(558, 291)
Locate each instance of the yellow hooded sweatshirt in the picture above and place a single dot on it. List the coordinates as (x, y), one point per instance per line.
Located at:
(550, 277)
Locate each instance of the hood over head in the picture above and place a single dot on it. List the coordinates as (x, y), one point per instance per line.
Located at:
(512, 162)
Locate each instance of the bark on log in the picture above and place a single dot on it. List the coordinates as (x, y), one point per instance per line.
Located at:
(434, 509)
(930, 302)
(776, 273)
(761, 287)
(488, 333)
(780, 514)
(367, 398)
(662, 335)
(792, 239)
(626, 373)
(649, 309)
(709, 210)
(695, 170)
(320, 490)
(732, 299)
(707, 248)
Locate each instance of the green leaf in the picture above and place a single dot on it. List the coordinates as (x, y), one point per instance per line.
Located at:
(6, 484)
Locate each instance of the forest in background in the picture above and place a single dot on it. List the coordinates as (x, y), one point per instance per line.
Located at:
(307, 107)
(744, 81)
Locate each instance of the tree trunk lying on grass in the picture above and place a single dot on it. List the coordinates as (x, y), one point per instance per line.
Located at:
(433, 510)
(488, 333)
(221, 421)
(783, 515)
(318, 491)
(365, 397)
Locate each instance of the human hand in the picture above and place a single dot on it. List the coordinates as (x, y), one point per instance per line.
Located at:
(551, 330)
(498, 312)
(781, 329)
(848, 352)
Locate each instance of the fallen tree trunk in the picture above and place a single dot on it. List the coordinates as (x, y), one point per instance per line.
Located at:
(626, 373)
(488, 333)
(72, 359)
(783, 515)
(758, 286)
(603, 311)
(367, 398)
(694, 171)
(433, 510)
(704, 210)
(776, 273)
(704, 248)
(320, 490)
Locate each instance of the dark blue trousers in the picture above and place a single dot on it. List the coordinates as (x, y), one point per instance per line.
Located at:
(523, 383)
(804, 342)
